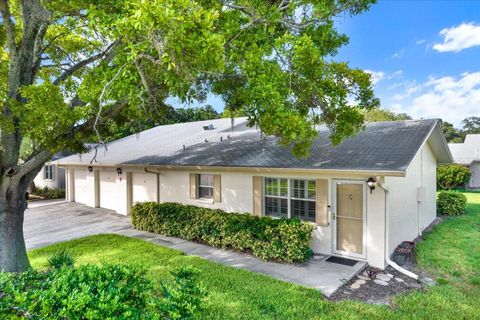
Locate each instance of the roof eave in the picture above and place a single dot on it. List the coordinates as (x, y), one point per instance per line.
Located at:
(372, 172)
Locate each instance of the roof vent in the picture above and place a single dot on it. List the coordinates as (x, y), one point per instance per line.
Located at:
(205, 140)
(209, 127)
(228, 137)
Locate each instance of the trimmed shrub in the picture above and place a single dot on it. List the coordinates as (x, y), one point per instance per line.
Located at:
(48, 193)
(452, 176)
(285, 240)
(451, 203)
(98, 292)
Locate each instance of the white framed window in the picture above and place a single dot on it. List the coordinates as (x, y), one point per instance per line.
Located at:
(290, 198)
(48, 172)
(205, 186)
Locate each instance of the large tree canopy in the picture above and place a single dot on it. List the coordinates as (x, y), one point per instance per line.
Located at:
(68, 66)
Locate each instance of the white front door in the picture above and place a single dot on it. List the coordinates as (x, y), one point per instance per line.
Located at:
(349, 218)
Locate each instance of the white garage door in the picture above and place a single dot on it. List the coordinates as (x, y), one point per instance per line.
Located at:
(144, 187)
(109, 197)
(82, 192)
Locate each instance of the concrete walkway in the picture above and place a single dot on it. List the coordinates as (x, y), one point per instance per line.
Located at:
(41, 203)
(63, 221)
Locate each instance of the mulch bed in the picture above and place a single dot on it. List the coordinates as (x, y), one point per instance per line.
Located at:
(374, 293)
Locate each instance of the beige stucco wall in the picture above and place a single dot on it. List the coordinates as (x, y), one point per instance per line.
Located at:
(144, 187)
(237, 196)
(58, 180)
(409, 216)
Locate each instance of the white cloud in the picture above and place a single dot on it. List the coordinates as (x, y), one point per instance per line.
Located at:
(409, 88)
(457, 38)
(398, 54)
(449, 98)
(378, 76)
(420, 41)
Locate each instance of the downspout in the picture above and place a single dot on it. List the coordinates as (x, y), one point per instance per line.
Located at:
(391, 263)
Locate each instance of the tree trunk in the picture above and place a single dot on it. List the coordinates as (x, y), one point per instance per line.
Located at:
(13, 253)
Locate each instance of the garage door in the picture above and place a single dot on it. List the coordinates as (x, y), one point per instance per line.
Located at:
(144, 187)
(82, 192)
(109, 196)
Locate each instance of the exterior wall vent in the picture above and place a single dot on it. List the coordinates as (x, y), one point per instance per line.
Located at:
(209, 127)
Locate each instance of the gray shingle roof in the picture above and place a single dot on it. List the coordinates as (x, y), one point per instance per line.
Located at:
(382, 146)
(468, 151)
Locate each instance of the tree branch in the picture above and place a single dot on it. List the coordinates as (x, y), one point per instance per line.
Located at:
(9, 26)
(80, 65)
(39, 159)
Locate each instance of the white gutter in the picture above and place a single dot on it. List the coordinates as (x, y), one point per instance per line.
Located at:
(391, 263)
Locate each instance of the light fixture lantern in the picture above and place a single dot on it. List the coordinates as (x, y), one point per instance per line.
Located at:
(90, 169)
(371, 184)
(119, 171)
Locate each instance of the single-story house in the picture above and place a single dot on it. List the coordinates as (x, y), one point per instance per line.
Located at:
(468, 154)
(51, 175)
(364, 197)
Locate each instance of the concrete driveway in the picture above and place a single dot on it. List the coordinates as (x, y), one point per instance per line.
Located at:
(61, 221)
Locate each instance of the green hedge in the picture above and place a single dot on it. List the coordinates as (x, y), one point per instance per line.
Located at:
(109, 291)
(285, 240)
(451, 203)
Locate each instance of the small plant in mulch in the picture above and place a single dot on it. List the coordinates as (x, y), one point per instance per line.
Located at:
(371, 272)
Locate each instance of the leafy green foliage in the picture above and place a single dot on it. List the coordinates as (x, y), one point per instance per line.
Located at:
(452, 135)
(117, 59)
(286, 240)
(470, 125)
(50, 193)
(451, 203)
(112, 130)
(61, 259)
(451, 176)
(182, 298)
(109, 291)
(379, 114)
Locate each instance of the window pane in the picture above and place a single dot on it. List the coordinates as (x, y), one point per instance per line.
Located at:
(206, 180)
(276, 207)
(205, 192)
(276, 187)
(312, 189)
(48, 172)
(271, 187)
(298, 189)
(283, 187)
(303, 210)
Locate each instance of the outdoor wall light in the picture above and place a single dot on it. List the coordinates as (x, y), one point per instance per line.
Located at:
(371, 184)
(119, 171)
(90, 169)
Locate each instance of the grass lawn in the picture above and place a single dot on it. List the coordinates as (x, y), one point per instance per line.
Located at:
(451, 252)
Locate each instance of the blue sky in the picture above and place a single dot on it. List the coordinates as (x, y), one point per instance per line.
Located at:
(424, 56)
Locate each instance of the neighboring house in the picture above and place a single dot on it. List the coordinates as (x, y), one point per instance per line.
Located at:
(51, 175)
(468, 154)
(216, 164)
